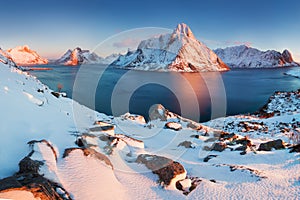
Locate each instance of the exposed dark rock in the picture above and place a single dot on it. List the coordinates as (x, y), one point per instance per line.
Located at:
(27, 165)
(173, 125)
(228, 136)
(241, 148)
(287, 56)
(219, 146)
(186, 144)
(79, 142)
(28, 179)
(102, 128)
(195, 181)
(165, 168)
(244, 141)
(295, 148)
(207, 158)
(89, 152)
(56, 94)
(157, 111)
(194, 126)
(268, 146)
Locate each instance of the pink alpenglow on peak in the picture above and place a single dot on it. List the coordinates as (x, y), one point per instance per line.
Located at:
(79, 56)
(183, 29)
(179, 51)
(23, 55)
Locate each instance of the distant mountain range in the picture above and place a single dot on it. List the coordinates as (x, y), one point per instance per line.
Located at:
(247, 57)
(178, 51)
(78, 56)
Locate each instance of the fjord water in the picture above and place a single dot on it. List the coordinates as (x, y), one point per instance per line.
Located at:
(118, 91)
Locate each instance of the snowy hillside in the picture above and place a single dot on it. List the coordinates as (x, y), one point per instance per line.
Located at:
(247, 57)
(54, 148)
(23, 55)
(178, 51)
(6, 58)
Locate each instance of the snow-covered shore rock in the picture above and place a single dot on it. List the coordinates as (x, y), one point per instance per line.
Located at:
(295, 72)
(179, 51)
(87, 155)
(23, 55)
(247, 57)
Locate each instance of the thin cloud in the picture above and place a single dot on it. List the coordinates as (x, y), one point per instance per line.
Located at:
(127, 43)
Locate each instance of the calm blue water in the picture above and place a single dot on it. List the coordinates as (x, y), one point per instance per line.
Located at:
(115, 91)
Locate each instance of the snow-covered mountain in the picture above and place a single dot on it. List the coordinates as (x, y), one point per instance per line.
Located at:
(23, 55)
(78, 56)
(178, 51)
(246, 57)
(111, 58)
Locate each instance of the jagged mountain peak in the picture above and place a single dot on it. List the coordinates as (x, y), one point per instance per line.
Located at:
(79, 56)
(287, 56)
(183, 29)
(178, 51)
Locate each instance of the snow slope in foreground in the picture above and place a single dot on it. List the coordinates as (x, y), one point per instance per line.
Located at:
(104, 167)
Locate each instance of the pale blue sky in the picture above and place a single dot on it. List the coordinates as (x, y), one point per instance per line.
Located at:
(52, 27)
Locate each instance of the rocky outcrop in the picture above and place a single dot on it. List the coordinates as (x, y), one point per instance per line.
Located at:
(295, 148)
(28, 179)
(268, 146)
(89, 152)
(173, 126)
(157, 111)
(219, 146)
(168, 171)
(287, 56)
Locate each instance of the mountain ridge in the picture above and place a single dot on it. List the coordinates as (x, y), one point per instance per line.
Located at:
(248, 57)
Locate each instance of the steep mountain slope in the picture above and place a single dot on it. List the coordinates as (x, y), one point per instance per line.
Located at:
(6, 58)
(78, 56)
(23, 55)
(247, 57)
(178, 51)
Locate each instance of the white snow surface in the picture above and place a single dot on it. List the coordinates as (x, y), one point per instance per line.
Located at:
(247, 57)
(25, 118)
(178, 51)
